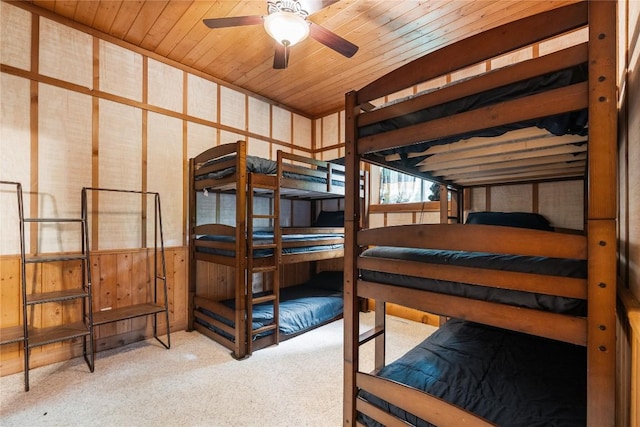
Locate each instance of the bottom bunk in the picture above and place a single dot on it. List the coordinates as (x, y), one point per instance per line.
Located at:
(501, 376)
(302, 307)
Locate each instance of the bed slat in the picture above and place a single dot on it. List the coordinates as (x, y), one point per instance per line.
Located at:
(545, 324)
(418, 403)
(473, 237)
(528, 282)
(554, 101)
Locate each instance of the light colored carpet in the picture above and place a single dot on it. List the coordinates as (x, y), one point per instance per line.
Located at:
(198, 383)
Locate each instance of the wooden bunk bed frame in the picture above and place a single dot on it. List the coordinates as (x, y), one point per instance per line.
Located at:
(297, 177)
(597, 245)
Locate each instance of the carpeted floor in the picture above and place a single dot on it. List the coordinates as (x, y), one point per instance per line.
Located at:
(197, 383)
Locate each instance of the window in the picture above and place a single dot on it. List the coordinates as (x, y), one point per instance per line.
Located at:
(397, 187)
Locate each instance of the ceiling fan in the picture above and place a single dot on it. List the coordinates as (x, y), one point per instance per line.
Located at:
(287, 23)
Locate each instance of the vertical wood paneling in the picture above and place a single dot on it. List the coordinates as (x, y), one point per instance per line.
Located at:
(124, 266)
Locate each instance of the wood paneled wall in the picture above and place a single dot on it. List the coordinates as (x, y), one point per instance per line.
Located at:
(119, 279)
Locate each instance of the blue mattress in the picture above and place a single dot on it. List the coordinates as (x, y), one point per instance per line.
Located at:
(509, 378)
(302, 307)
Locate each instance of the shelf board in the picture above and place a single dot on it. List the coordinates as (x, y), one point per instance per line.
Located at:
(53, 220)
(11, 334)
(124, 313)
(55, 296)
(38, 337)
(53, 258)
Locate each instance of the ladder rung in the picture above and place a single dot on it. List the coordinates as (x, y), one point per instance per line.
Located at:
(370, 334)
(264, 269)
(263, 216)
(54, 258)
(262, 299)
(266, 328)
(263, 246)
(53, 220)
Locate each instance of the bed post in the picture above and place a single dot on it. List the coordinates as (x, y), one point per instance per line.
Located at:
(240, 348)
(601, 214)
(192, 248)
(351, 224)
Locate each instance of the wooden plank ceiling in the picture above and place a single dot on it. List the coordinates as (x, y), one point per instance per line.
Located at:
(389, 33)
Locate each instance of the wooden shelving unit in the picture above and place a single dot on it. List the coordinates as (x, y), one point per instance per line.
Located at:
(150, 308)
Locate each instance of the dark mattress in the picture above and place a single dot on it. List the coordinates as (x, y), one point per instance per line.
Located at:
(524, 264)
(509, 378)
(263, 166)
(302, 307)
(575, 123)
(266, 237)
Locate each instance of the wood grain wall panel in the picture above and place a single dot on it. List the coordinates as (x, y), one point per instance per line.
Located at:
(281, 124)
(232, 108)
(124, 282)
(164, 86)
(15, 33)
(259, 117)
(562, 203)
(64, 128)
(65, 53)
(399, 218)
(15, 164)
(120, 71)
(164, 174)
(302, 132)
(119, 163)
(511, 198)
(202, 98)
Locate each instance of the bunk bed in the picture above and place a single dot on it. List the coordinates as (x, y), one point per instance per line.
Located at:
(256, 246)
(551, 117)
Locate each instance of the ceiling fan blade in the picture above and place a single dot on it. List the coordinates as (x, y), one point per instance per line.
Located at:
(332, 40)
(233, 21)
(281, 57)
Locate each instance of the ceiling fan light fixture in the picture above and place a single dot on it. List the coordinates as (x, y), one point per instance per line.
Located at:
(287, 28)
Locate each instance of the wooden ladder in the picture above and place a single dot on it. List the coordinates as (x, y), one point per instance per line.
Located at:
(263, 255)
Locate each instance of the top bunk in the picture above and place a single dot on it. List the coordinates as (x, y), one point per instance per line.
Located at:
(217, 169)
(522, 122)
